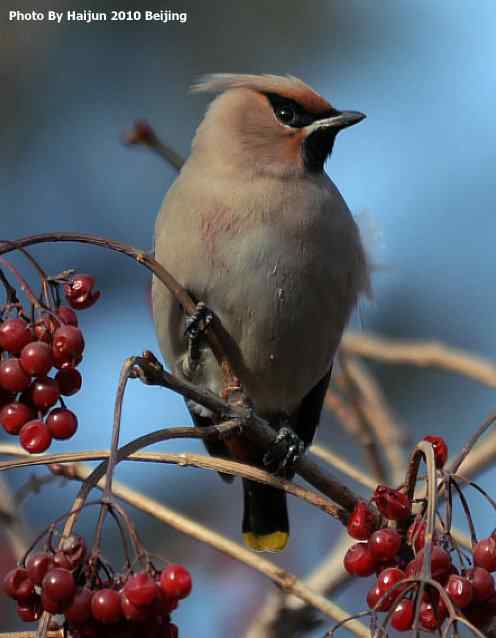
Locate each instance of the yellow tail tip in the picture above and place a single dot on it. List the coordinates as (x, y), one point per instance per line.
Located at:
(274, 542)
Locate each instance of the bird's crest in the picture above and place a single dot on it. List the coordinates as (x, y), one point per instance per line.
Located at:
(284, 85)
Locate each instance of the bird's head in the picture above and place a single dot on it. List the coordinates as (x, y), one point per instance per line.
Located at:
(269, 124)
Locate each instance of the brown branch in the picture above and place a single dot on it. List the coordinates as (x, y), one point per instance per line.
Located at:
(142, 134)
(343, 466)
(256, 430)
(421, 354)
(377, 412)
(366, 436)
(183, 460)
(344, 412)
(487, 423)
(12, 523)
(213, 331)
(481, 456)
(285, 615)
(285, 580)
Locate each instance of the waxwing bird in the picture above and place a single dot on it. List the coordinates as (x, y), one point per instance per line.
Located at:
(254, 228)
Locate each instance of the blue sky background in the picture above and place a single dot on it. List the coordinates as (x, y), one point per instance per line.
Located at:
(420, 169)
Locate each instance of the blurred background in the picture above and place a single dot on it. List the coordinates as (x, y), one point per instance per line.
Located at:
(419, 170)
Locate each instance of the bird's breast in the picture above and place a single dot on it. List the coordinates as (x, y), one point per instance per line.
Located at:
(277, 266)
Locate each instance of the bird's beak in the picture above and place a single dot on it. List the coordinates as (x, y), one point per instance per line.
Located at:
(337, 121)
(320, 136)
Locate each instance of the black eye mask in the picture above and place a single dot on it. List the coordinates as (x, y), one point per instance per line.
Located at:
(291, 113)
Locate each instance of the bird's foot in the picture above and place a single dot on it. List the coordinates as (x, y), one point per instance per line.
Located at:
(284, 452)
(196, 325)
(198, 322)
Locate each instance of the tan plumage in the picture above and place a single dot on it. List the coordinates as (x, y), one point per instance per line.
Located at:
(252, 229)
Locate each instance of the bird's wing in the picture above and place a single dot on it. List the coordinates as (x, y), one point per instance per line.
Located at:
(307, 417)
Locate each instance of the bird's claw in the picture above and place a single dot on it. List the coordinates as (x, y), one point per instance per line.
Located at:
(284, 452)
(198, 322)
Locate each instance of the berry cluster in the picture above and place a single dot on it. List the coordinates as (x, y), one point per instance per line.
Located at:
(395, 554)
(30, 350)
(64, 582)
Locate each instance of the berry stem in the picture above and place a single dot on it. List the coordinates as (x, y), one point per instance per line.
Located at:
(466, 509)
(43, 277)
(124, 376)
(490, 420)
(25, 287)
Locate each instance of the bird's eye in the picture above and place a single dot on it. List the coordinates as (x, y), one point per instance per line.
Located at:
(286, 114)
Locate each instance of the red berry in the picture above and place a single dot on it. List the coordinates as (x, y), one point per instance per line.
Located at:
(68, 342)
(14, 415)
(460, 591)
(52, 606)
(432, 616)
(358, 560)
(390, 577)
(30, 610)
(440, 562)
(413, 568)
(59, 585)
(36, 358)
(12, 376)
(5, 397)
(18, 585)
(164, 604)
(375, 595)
(485, 554)
(79, 610)
(361, 522)
(141, 589)
(106, 606)
(44, 392)
(482, 584)
(79, 291)
(416, 534)
(44, 329)
(402, 616)
(385, 544)
(61, 560)
(69, 381)
(440, 449)
(14, 335)
(38, 565)
(74, 550)
(68, 315)
(393, 504)
(175, 581)
(62, 423)
(35, 436)
(134, 612)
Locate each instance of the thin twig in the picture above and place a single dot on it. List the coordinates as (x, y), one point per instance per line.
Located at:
(281, 612)
(343, 466)
(212, 331)
(286, 581)
(183, 460)
(113, 458)
(423, 354)
(481, 456)
(143, 134)
(12, 523)
(471, 442)
(344, 411)
(366, 436)
(377, 412)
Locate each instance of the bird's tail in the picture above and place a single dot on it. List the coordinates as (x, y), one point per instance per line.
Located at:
(265, 519)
